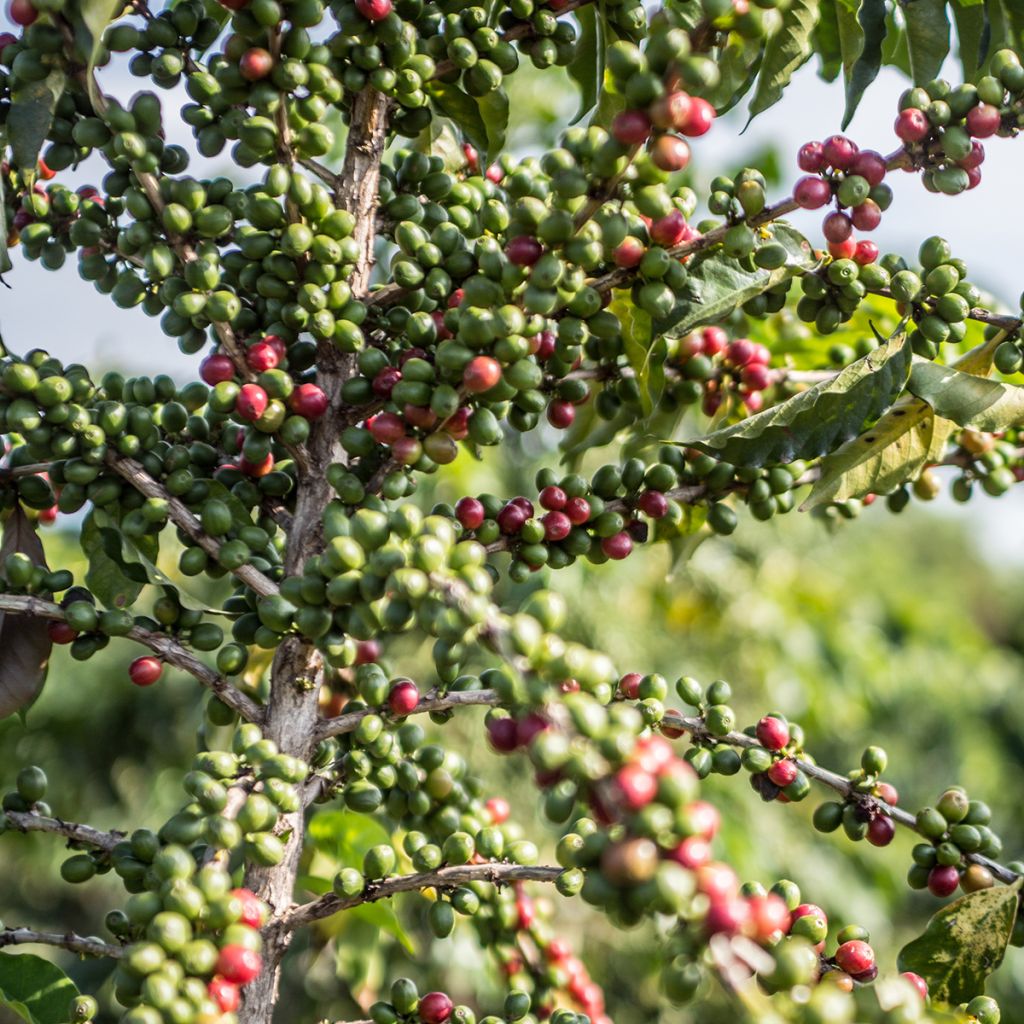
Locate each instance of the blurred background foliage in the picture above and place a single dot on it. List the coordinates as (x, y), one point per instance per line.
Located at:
(890, 630)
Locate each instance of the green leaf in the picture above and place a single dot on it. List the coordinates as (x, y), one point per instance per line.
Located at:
(461, 108)
(105, 576)
(739, 62)
(971, 23)
(890, 454)
(494, 109)
(36, 990)
(788, 48)
(826, 42)
(965, 398)
(89, 19)
(718, 284)
(383, 917)
(24, 639)
(587, 68)
(638, 342)
(819, 419)
(927, 37)
(963, 943)
(345, 835)
(862, 36)
(30, 118)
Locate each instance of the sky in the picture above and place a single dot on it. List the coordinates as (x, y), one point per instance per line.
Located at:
(65, 315)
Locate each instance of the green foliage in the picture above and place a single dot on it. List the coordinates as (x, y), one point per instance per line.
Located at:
(34, 989)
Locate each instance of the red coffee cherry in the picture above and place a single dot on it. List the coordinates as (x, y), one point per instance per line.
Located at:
(629, 685)
(917, 981)
(839, 152)
(727, 917)
(251, 403)
(670, 153)
(631, 127)
(502, 734)
(855, 957)
(374, 10)
(669, 230)
(811, 157)
(481, 374)
(308, 401)
(498, 809)
(870, 166)
(225, 994)
(772, 733)
(61, 632)
(887, 792)
(629, 252)
(252, 907)
(386, 427)
(524, 250)
(881, 830)
(984, 120)
(700, 118)
(618, 546)
(557, 526)
(812, 193)
(912, 125)
(22, 12)
(238, 964)
(837, 227)
(261, 356)
(843, 250)
(672, 110)
(653, 504)
(783, 772)
(215, 369)
(867, 216)
(561, 414)
(943, 880)
(552, 498)
(693, 852)
(469, 512)
(145, 671)
(865, 252)
(511, 518)
(403, 698)
(578, 511)
(256, 63)
(636, 787)
(769, 916)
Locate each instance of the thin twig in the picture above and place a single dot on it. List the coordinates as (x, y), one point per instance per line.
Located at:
(66, 940)
(26, 821)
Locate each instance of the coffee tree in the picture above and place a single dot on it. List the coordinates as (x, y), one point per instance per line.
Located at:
(380, 287)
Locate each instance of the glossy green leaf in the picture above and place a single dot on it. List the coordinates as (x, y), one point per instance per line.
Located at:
(789, 47)
(36, 990)
(24, 639)
(89, 19)
(639, 345)
(894, 45)
(927, 37)
(972, 36)
(345, 835)
(494, 110)
(587, 68)
(963, 943)
(966, 399)
(105, 577)
(718, 284)
(30, 118)
(739, 62)
(819, 419)
(461, 108)
(826, 42)
(862, 37)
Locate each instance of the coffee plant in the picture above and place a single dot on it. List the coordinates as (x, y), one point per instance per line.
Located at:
(383, 288)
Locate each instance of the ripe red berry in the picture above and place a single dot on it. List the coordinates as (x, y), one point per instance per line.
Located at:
(636, 787)
(715, 340)
(912, 125)
(693, 852)
(225, 994)
(727, 916)
(374, 10)
(419, 416)
(631, 127)
(984, 120)
(6, 38)
(552, 498)
(703, 819)
(783, 772)
(256, 469)
(772, 733)
(973, 178)
(629, 685)
(384, 382)
(386, 427)
(769, 916)
(975, 158)
(557, 526)
(529, 727)
(917, 981)
(618, 546)
(262, 356)
(653, 504)
(870, 166)
(578, 511)
(837, 227)
(145, 671)
(367, 652)
(308, 401)
(812, 193)
(629, 252)
(524, 250)
(670, 153)
(807, 908)
(843, 250)
(252, 907)
(216, 368)
(407, 451)
(669, 230)
(469, 512)
(811, 157)
(502, 734)
(481, 374)
(740, 352)
(511, 518)
(881, 830)
(255, 63)
(839, 152)
(943, 880)
(855, 957)
(238, 964)
(403, 698)
(498, 809)
(61, 632)
(672, 110)
(252, 402)
(561, 413)
(22, 12)
(545, 345)
(867, 216)
(887, 791)
(701, 116)
(756, 376)
(865, 252)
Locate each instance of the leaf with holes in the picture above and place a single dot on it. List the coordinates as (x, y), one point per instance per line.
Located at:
(966, 399)
(718, 284)
(30, 118)
(819, 419)
(789, 47)
(927, 37)
(963, 943)
(24, 639)
(36, 990)
(862, 35)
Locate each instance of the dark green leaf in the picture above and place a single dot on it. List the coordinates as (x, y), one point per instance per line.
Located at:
(587, 67)
(819, 419)
(638, 342)
(89, 19)
(894, 46)
(739, 62)
(38, 991)
(788, 48)
(963, 944)
(24, 639)
(967, 399)
(494, 110)
(30, 118)
(718, 284)
(826, 42)
(971, 22)
(862, 40)
(927, 37)
(461, 108)
(105, 577)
